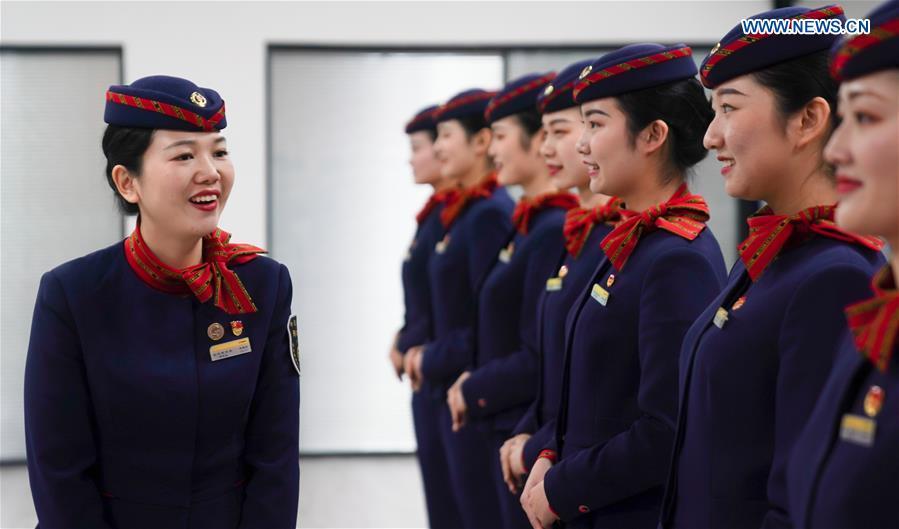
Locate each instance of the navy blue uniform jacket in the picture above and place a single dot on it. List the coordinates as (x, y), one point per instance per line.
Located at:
(504, 381)
(458, 267)
(130, 424)
(418, 329)
(833, 482)
(747, 388)
(553, 308)
(619, 393)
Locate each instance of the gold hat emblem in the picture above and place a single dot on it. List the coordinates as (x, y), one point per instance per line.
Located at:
(198, 99)
(548, 90)
(563, 271)
(874, 401)
(215, 331)
(610, 281)
(715, 49)
(586, 71)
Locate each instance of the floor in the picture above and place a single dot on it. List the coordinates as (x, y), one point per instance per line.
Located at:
(356, 491)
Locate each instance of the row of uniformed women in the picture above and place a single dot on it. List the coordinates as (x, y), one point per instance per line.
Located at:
(659, 387)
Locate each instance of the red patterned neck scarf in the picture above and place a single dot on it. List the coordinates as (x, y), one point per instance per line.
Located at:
(457, 200)
(875, 322)
(770, 233)
(207, 280)
(683, 214)
(527, 208)
(579, 223)
(434, 200)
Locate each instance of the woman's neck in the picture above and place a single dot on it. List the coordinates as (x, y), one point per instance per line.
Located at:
(442, 185)
(589, 199)
(174, 252)
(815, 190)
(474, 176)
(537, 185)
(655, 194)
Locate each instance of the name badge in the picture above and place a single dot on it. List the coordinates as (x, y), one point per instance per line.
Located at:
(600, 294)
(505, 255)
(554, 284)
(858, 430)
(440, 247)
(720, 317)
(229, 349)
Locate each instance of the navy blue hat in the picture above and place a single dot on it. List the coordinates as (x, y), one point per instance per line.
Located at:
(559, 94)
(738, 53)
(423, 121)
(517, 96)
(464, 104)
(878, 50)
(163, 102)
(633, 68)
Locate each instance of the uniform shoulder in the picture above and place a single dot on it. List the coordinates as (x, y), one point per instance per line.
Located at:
(92, 266)
(828, 253)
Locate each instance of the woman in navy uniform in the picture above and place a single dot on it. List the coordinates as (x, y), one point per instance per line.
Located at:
(754, 363)
(418, 326)
(161, 385)
(583, 229)
(496, 390)
(844, 471)
(645, 114)
(478, 220)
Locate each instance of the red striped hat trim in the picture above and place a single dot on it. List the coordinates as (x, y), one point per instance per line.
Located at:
(172, 111)
(633, 64)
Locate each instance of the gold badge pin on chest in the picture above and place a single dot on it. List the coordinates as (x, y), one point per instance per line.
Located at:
(563, 272)
(721, 317)
(874, 401)
(610, 281)
(237, 327)
(739, 303)
(505, 255)
(215, 331)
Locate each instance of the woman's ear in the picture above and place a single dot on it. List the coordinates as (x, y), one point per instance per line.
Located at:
(810, 124)
(481, 141)
(652, 137)
(125, 183)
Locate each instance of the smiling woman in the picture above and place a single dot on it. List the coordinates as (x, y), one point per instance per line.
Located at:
(130, 422)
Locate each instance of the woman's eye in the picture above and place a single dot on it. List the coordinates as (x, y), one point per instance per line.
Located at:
(726, 108)
(863, 118)
(221, 153)
(184, 157)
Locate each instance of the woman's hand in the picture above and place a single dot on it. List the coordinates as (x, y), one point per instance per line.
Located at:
(412, 366)
(511, 462)
(539, 513)
(396, 359)
(456, 401)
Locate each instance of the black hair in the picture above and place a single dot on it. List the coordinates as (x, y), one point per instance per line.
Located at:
(125, 146)
(798, 81)
(472, 124)
(531, 122)
(683, 106)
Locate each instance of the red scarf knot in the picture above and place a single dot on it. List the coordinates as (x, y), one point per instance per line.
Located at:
(579, 222)
(437, 198)
(459, 199)
(211, 279)
(769, 234)
(875, 322)
(527, 208)
(683, 214)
